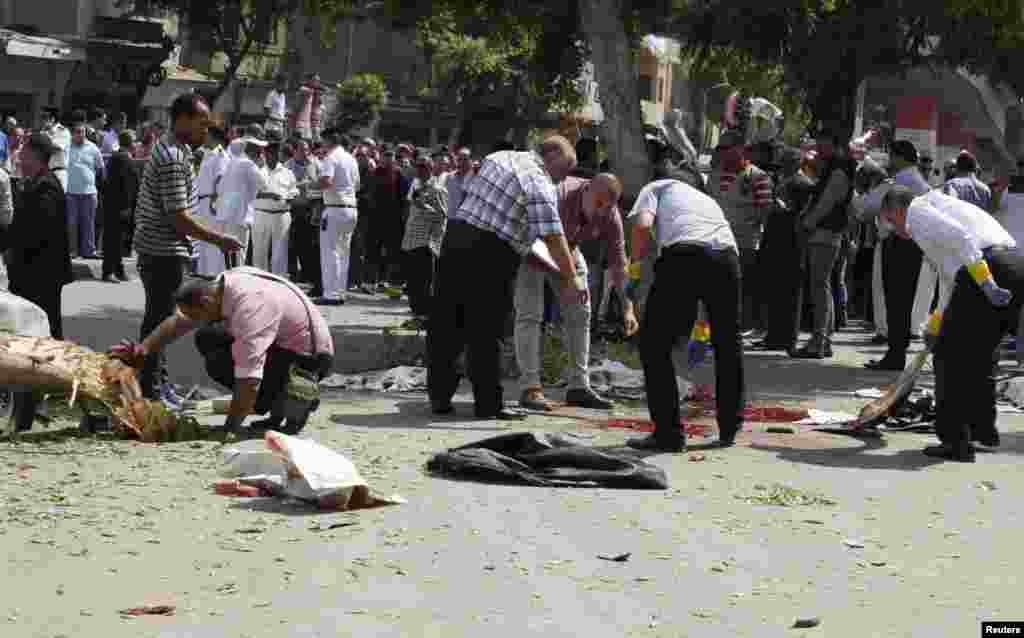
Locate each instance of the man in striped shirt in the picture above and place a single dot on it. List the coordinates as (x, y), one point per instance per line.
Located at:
(166, 219)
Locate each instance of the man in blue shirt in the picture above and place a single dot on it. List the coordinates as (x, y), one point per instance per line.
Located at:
(85, 170)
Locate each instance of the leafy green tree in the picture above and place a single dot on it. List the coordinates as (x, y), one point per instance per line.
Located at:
(827, 48)
(237, 28)
(360, 100)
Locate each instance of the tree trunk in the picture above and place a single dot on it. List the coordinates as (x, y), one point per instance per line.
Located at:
(616, 73)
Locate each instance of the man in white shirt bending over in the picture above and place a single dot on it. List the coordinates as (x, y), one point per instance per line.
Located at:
(973, 250)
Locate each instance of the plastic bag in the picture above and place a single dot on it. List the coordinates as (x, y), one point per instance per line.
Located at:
(291, 467)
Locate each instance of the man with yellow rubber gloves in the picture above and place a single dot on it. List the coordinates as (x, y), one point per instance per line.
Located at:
(699, 262)
(983, 281)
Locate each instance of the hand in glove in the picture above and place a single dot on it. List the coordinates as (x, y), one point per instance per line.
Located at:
(931, 333)
(129, 352)
(999, 297)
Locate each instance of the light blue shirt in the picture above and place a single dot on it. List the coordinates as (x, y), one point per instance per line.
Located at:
(85, 164)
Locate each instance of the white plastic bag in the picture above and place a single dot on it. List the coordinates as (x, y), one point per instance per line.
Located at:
(301, 469)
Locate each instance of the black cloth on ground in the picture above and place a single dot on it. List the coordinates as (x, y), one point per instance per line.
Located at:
(547, 460)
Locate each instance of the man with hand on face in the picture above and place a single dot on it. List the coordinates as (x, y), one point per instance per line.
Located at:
(510, 205)
(973, 250)
(254, 328)
(587, 209)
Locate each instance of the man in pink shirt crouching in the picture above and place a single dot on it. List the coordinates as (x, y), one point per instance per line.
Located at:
(252, 328)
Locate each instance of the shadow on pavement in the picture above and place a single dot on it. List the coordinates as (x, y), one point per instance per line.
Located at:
(416, 415)
(905, 460)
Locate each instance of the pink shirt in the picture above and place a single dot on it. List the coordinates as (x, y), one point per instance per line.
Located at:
(260, 313)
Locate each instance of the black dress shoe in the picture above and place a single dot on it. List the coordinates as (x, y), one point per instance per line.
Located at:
(502, 415)
(726, 438)
(879, 340)
(960, 453)
(442, 407)
(270, 423)
(764, 346)
(988, 437)
(813, 351)
(886, 364)
(587, 398)
(653, 444)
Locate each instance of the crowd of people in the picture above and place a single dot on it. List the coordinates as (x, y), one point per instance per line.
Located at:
(763, 246)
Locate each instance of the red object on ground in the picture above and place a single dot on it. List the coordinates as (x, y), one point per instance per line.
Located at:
(228, 487)
(643, 425)
(149, 610)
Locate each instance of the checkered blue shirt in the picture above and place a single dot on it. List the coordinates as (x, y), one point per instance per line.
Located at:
(513, 197)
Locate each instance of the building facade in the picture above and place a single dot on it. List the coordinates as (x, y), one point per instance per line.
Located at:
(81, 54)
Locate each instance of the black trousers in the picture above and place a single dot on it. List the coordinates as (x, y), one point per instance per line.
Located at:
(214, 344)
(161, 278)
(475, 274)
(965, 392)
(383, 256)
(113, 244)
(419, 266)
(782, 274)
(670, 315)
(357, 270)
(303, 248)
(750, 317)
(901, 267)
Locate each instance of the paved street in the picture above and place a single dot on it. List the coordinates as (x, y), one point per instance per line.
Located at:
(891, 544)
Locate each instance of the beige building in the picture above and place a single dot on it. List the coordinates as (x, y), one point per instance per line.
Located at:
(76, 54)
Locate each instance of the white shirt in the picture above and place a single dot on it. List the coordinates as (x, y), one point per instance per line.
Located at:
(110, 143)
(281, 182)
(276, 103)
(61, 137)
(237, 191)
(214, 165)
(952, 233)
(684, 215)
(344, 170)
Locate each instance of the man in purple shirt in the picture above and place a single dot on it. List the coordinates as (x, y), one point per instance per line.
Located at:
(588, 211)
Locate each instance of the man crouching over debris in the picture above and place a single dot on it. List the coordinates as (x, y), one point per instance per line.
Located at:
(976, 254)
(260, 336)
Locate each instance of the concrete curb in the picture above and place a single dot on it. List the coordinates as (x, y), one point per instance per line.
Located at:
(86, 269)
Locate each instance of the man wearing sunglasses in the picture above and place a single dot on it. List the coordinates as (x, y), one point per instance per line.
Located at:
(588, 210)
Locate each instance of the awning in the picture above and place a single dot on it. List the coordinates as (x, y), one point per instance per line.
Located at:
(40, 48)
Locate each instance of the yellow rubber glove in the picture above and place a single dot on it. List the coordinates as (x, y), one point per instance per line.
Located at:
(701, 331)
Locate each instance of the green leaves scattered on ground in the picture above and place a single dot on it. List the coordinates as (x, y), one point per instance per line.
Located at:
(785, 496)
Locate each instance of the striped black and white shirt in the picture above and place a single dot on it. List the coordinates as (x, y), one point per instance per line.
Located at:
(167, 186)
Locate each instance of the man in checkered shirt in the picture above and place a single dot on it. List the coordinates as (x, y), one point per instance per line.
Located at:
(508, 206)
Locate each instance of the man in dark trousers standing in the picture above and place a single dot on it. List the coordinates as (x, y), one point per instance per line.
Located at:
(699, 262)
(119, 196)
(508, 206)
(971, 248)
(901, 261)
(166, 220)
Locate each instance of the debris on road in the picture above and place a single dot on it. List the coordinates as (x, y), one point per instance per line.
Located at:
(297, 468)
(806, 623)
(398, 379)
(620, 558)
(149, 610)
(785, 496)
(853, 543)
